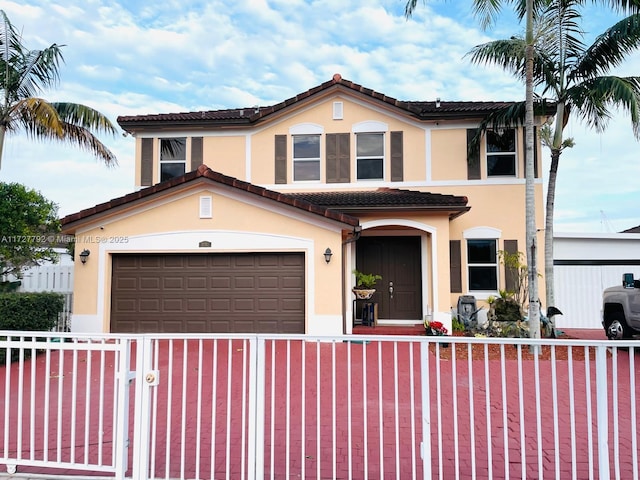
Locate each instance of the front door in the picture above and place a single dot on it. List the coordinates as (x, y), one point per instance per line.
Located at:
(398, 261)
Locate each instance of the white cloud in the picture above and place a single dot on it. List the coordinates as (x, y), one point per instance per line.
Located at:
(127, 58)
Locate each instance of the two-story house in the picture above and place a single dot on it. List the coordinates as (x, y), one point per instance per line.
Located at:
(253, 220)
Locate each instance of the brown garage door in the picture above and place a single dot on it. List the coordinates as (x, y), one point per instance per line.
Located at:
(220, 293)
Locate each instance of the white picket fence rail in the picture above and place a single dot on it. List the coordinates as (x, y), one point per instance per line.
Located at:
(257, 406)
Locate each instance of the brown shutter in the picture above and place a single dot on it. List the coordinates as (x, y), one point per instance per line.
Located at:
(396, 157)
(146, 162)
(510, 273)
(338, 163)
(196, 152)
(473, 155)
(281, 159)
(455, 266)
(536, 174)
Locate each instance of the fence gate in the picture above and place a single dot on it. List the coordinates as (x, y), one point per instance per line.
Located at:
(64, 404)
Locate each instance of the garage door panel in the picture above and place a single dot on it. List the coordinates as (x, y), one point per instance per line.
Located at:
(222, 282)
(172, 305)
(197, 282)
(244, 293)
(244, 282)
(220, 305)
(149, 283)
(292, 282)
(150, 305)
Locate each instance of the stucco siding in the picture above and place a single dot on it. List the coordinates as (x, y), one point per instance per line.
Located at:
(237, 225)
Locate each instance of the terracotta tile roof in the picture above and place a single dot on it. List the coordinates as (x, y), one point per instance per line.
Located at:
(421, 110)
(204, 172)
(387, 199)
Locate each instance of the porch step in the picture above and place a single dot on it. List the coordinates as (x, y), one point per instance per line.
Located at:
(389, 330)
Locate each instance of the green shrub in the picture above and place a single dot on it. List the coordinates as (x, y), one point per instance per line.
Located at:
(33, 312)
(30, 311)
(457, 325)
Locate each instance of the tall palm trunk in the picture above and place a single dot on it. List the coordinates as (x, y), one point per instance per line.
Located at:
(548, 229)
(3, 131)
(562, 117)
(532, 250)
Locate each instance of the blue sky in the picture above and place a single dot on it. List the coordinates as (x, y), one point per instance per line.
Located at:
(137, 57)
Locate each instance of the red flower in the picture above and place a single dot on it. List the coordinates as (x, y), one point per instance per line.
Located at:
(435, 327)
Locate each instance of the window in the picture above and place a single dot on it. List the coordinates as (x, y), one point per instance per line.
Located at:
(501, 153)
(482, 262)
(370, 156)
(306, 157)
(173, 157)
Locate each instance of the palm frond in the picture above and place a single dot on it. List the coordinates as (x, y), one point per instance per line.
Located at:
(624, 6)
(86, 140)
(83, 116)
(507, 54)
(486, 11)
(36, 116)
(609, 49)
(594, 98)
(508, 117)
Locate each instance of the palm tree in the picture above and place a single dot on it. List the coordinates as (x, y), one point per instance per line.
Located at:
(487, 11)
(577, 78)
(25, 73)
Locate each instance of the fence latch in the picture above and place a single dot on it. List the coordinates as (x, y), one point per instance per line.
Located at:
(152, 378)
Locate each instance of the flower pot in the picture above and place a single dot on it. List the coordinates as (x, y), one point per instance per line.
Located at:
(363, 293)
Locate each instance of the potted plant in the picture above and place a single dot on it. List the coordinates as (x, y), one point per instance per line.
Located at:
(433, 328)
(365, 285)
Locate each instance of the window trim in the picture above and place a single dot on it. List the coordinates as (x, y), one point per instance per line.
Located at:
(482, 233)
(295, 160)
(383, 157)
(482, 293)
(513, 153)
(173, 160)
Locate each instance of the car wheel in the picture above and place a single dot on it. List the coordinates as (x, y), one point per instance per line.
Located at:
(617, 329)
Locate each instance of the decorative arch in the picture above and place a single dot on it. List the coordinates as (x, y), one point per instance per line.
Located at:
(431, 253)
(369, 126)
(306, 129)
(482, 232)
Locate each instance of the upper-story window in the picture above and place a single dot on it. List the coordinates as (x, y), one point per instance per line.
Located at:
(501, 153)
(370, 156)
(306, 157)
(173, 157)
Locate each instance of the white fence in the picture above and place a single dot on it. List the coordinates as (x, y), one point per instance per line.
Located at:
(255, 407)
(56, 278)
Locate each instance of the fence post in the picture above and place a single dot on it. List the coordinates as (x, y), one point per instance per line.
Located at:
(255, 450)
(602, 412)
(145, 379)
(425, 447)
(121, 433)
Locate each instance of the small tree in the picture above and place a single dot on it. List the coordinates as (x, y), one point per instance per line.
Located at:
(516, 275)
(28, 224)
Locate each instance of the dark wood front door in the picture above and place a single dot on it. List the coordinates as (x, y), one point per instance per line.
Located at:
(398, 260)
